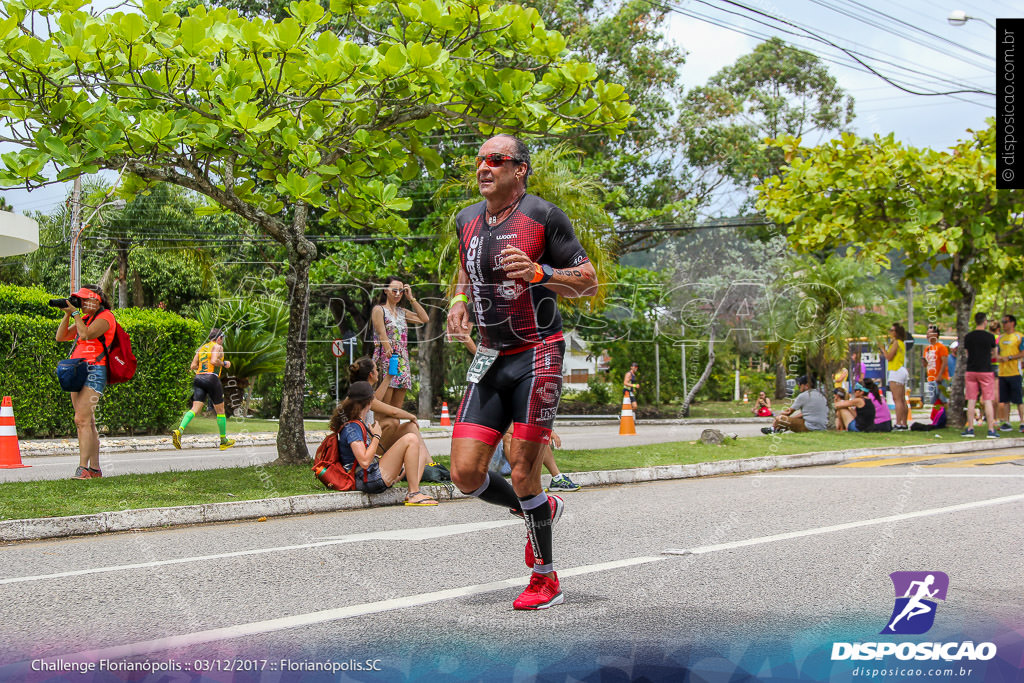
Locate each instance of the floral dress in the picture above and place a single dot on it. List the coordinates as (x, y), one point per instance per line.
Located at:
(398, 336)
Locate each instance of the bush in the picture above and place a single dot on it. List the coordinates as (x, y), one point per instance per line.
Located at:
(30, 301)
(163, 343)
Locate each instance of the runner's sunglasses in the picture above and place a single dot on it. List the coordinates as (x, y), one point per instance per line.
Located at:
(495, 160)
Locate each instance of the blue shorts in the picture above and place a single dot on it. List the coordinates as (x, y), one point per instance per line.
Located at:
(374, 480)
(97, 378)
(852, 427)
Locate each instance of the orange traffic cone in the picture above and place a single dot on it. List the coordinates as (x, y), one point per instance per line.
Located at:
(745, 399)
(626, 423)
(10, 452)
(445, 419)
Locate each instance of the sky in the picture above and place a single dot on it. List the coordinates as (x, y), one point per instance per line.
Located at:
(964, 54)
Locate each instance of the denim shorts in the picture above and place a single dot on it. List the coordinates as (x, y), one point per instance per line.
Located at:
(97, 378)
(374, 480)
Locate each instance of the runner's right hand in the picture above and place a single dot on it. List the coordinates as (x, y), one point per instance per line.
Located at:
(458, 320)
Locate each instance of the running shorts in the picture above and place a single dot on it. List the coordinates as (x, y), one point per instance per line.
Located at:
(521, 389)
(207, 385)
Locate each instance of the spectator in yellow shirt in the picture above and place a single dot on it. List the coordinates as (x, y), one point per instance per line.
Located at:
(1011, 345)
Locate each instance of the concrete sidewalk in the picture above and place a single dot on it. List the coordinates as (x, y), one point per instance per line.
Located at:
(128, 520)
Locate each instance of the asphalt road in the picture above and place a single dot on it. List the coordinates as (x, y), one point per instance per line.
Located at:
(775, 568)
(601, 436)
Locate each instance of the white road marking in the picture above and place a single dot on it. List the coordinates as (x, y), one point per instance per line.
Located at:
(907, 473)
(313, 618)
(416, 534)
(842, 527)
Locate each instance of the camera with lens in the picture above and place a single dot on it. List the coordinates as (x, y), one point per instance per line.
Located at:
(74, 300)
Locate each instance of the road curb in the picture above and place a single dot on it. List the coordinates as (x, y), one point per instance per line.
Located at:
(149, 518)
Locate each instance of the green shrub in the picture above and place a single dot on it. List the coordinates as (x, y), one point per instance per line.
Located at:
(163, 343)
(30, 301)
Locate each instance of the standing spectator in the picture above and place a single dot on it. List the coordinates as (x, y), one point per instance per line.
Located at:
(979, 344)
(1011, 343)
(896, 356)
(207, 363)
(391, 338)
(934, 356)
(809, 412)
(92, 329)
(762, 406)
(630, 385)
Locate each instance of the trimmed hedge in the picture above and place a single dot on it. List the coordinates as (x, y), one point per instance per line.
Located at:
(30, 301)
(164, 344)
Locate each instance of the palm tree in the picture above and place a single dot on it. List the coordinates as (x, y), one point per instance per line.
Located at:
(254, 342)
(825, 304)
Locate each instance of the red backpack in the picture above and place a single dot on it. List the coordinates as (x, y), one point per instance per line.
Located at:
(121, 362)
(328, 468)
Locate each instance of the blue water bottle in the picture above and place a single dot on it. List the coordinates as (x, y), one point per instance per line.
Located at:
(393, 365)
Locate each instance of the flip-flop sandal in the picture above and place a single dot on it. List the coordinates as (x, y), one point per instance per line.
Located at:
(419, 499)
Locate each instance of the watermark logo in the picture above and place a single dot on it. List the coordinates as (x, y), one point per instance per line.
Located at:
(916, 595)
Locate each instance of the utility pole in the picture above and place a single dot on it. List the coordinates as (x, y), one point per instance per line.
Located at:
(76, 233)
(657, 366)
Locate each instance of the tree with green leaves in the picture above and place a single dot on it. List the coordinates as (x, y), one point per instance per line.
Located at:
(875, 196)
(820, 306)
(775, 90)
(270, 120)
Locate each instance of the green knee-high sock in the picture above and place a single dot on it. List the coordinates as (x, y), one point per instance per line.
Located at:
(185, 420)
(222, 424)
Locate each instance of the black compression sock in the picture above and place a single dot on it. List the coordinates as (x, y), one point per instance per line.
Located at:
(537, 513)
(497, 491)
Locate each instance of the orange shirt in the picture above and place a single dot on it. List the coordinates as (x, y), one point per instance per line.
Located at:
(935, 361)
(91, 349)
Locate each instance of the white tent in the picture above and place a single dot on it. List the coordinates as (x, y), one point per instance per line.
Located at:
(18, 234)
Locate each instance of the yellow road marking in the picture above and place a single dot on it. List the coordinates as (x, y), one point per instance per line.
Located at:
(901, 461)
(980, 461)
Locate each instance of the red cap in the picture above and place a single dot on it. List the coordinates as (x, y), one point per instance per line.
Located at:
(87, 293)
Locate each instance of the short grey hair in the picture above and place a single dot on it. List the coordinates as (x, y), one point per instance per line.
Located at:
(522, 153)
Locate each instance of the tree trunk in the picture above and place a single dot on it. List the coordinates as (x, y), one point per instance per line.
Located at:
(780, 379)
(430, 357)
(291, 435)
(234, 395)
(685, 410)
(138, 299)
(122, 277)
(955, 411)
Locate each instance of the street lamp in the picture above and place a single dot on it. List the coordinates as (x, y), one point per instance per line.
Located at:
(958, 18)
(76, 243)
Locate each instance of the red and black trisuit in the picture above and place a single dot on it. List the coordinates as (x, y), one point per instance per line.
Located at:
(516, 318)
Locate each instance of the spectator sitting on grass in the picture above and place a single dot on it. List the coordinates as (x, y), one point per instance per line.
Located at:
(883, 418)
(763, 406)
(857, 413)
(376, 470)
(809, 412)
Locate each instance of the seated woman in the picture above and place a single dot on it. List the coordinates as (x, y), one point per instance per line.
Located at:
(359, 446)
(883, 418)
(386, 415)
(856, 414)
(762, 406)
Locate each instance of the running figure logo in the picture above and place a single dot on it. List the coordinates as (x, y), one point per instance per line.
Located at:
(916, 592)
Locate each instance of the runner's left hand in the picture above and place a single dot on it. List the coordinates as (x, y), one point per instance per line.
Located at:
(517, 264)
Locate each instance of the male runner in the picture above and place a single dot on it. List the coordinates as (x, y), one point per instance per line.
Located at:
(517, 254)
(207, 362)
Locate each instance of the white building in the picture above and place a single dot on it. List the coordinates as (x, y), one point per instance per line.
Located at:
(580, 364)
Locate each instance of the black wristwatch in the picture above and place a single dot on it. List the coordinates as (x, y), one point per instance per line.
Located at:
(548, 273)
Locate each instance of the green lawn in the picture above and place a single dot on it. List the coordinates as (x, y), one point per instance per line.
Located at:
(208, 425)
(62, 497)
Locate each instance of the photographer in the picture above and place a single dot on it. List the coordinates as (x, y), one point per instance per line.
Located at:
(90, 324)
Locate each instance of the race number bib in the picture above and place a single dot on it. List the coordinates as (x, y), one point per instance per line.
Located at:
(482, 362)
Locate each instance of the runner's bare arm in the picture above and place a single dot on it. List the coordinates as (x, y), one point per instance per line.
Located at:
(458, 314)
(572, 282)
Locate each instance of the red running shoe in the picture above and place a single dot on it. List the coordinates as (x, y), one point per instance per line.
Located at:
(543, 592)
(557, 504)
(82, 473)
